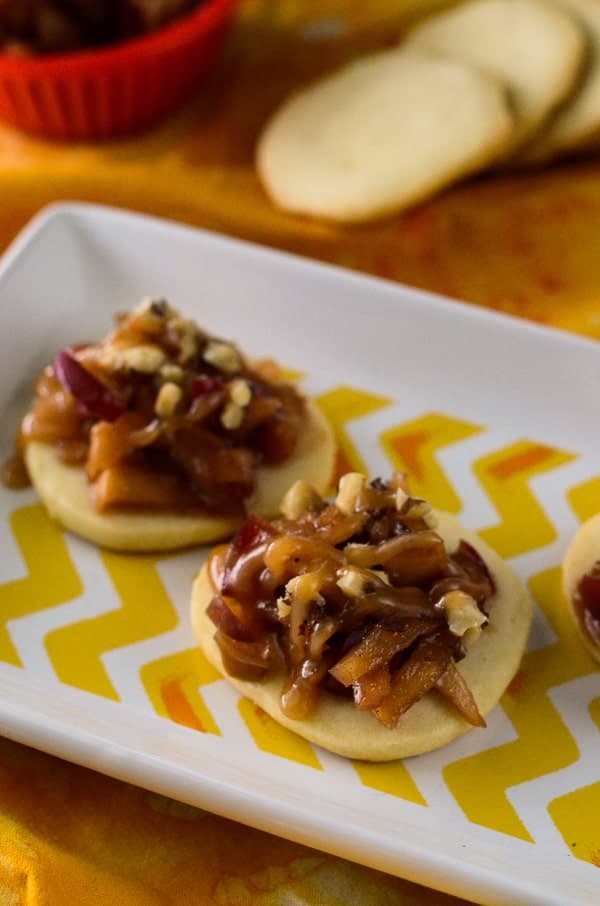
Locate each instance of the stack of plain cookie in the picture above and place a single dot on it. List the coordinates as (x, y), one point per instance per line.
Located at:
(487, 83)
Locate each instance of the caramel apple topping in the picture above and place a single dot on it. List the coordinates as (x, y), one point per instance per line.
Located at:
(163, 416)
(358, 598)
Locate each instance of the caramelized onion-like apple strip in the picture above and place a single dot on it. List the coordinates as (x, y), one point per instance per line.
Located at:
(278, 437)
(335, 527)
(269, 370)
(244, 558)
(110, 442)
(205, 404)
(388, 601)
(254, 531)
(377, 648)
(467, 572)
(284, 554)
(322, 631)
(415, 678)
(372, 688)
(242, 577)
(453, 687)
(298, 625)
(237, 668)
(214, 463)
(252, 654)
(260, 410)
(473, 564)
(92, 395)
(131, 486)
(409, 559)
(52, 418)
(309, 631)
(147, 435)
(302, 692)
(229, 616)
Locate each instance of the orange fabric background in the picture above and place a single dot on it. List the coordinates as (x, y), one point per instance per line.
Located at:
(526, 244)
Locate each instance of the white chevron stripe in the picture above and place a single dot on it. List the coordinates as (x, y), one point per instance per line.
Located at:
(222, 699)
(12, 565)
(366, 431)
(426, 770)
(338, 767)
(457, 461)
(532, 799)
(28, 632)
(125, 662)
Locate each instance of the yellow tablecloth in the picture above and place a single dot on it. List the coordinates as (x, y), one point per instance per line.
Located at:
(524, 244)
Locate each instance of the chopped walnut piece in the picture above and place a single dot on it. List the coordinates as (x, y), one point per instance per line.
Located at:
(349, 491)
(232, 416)
(284, 608)
(188, 340)
(401, 499)
(462, 613)
(146, 359)
(240, 392)
(156, 307)
(169, 397)
(352, 582)
(172, 373)
(223, 356)
(300, 497)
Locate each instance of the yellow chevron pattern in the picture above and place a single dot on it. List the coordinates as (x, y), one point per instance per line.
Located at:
(344, 405)
(271, 737)
(595, 711)
(52, 579)
(576, 814)
(174, 682)
(412, 448)
(584, 498)
(576, 817)
(145, 611)
(505, 476)
(392, 778)
(544, 743)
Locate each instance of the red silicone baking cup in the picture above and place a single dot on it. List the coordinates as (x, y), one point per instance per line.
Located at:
(116, 90)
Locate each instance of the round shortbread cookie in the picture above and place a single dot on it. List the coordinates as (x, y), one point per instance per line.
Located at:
(490, 664)
(533, 47)
(66, 493)
(583, 552)
(381, 134)
(577, 126)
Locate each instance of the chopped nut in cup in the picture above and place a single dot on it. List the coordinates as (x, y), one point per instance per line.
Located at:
(49, 26)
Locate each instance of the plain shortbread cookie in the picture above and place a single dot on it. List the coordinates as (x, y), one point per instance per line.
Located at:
(577, 126)
(533, 47)
(381, 134)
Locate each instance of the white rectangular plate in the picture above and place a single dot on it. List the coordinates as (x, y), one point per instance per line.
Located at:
(497, 420)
